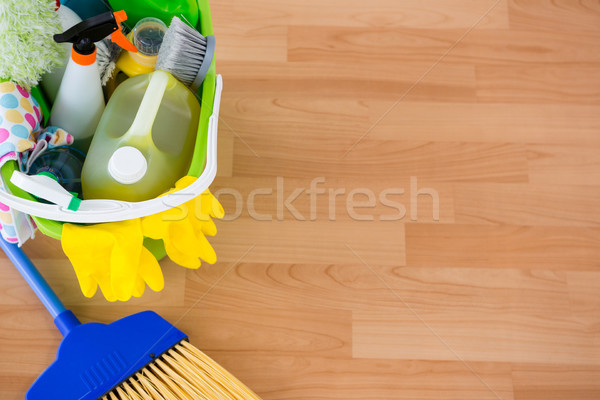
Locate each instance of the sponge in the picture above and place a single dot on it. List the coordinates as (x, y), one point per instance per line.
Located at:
(27, 47)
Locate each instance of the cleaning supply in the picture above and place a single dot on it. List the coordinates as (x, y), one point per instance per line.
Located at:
(51, 81)
(21, 136)
(186, 54)
(203, 165)
(47, 188)
(184, 229)
(49, 218)
(141, 356)
(111, 256)
(20, 117)
(64, 164)
(163, 10)
(54, 169)
(145, 140)
(107, 54)
(28, 51)
(45, 140)
(147, 36)
(80, 102)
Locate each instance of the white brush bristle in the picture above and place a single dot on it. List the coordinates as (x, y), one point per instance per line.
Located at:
(185, 373)
(107, 54)
(182, 51)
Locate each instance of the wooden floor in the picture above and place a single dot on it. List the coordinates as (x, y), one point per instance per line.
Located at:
(492, 107)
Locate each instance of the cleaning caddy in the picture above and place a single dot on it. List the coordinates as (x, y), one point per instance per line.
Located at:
(120, 175)
(108, 178)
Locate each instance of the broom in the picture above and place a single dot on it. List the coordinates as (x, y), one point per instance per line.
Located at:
(139, 357)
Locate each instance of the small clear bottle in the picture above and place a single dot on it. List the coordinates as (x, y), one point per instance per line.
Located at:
(147, 36)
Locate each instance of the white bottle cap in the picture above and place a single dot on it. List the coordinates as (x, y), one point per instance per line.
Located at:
(127, 165)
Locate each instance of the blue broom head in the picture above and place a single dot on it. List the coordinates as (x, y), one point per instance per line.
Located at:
(93, 358)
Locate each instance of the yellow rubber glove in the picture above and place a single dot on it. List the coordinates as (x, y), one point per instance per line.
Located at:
(112, 256)
(184, 229)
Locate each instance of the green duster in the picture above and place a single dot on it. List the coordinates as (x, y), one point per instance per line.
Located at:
(27, 47)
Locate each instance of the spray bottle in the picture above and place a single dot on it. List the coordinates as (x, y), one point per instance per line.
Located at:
(51, 81)
(80, 102)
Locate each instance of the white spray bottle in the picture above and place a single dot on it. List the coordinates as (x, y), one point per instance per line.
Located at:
(51, 81)
(80, 102)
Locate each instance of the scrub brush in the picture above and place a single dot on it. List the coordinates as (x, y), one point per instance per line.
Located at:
(139, 357)
(186, 54)
(107, 53)
(27, 49)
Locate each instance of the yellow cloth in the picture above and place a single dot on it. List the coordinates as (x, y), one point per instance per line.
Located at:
(183, 229)
(112, 256)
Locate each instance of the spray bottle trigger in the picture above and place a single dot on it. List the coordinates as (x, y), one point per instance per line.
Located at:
(118, 37)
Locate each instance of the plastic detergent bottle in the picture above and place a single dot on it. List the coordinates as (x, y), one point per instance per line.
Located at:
(80, 102)
(145, 139)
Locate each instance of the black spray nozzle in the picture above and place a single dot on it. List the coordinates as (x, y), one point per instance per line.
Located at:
(84, 34)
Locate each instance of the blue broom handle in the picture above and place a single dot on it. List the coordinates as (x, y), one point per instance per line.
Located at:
(64, 319)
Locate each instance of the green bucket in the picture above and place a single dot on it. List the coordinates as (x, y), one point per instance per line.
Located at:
(53, 228)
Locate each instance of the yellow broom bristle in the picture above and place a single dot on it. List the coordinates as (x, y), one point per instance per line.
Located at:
(182, 373)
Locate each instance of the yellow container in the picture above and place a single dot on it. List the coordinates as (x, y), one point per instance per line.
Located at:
(133, 64)
(145, 139)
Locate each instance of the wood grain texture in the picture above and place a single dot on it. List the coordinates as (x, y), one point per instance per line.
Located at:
(450, 248)
(472, 336)
(538, 83)
(551, 381)
(539, 123)
(527, 204)
(503, 246)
